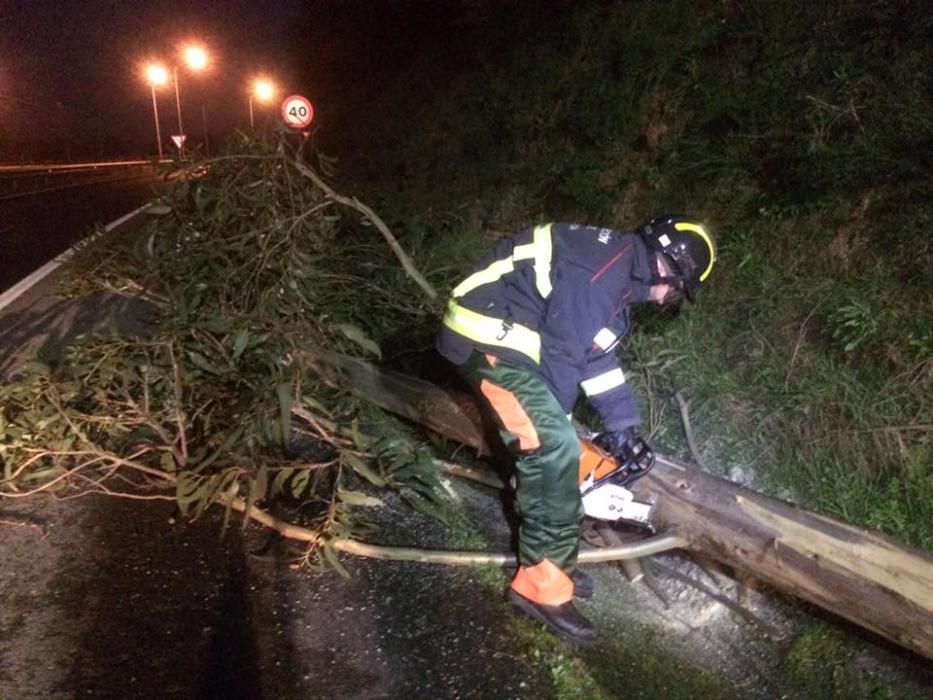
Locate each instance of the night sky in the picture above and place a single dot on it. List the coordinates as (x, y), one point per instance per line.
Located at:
(71, 69)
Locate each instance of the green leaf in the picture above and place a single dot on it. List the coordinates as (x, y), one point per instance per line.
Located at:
(188, 489)
(423, 470)
(311, 402)
(158, 209)
(356, 436)
(363, 469)
(422, 504)
(358, 336)
(228, 509)
(43, 474)
(300, 482)
(240, 342)
(200, 466)
(260, 484)
(358, 498)
(278, 483)
(167, 462)
(218, 324)
(202, 362)
(331, 556)
(285, 410)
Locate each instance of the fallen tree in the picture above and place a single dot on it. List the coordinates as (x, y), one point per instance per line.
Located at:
(862, 576)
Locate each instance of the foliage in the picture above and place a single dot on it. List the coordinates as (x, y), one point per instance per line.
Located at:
(854, 324)
(251, 268)
(819, 662)
(638, 665)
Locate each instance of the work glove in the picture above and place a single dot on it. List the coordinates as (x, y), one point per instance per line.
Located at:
(630, 450)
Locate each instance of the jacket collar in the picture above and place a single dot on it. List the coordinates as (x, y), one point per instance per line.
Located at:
(641, 269)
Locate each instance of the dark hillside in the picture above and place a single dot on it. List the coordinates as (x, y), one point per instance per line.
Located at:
(802, 132)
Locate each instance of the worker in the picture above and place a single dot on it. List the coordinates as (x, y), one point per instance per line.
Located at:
(537, 321)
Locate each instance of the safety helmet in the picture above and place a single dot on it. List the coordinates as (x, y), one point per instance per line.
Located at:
(687, 246)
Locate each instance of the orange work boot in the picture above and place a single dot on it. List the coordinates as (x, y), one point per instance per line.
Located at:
(545, 593)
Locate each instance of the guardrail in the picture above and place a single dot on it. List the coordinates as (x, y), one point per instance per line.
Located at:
(27, 168)
(27, 180)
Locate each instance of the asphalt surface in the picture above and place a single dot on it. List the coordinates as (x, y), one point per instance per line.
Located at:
(115, 599)
(34, 228)
(109, 598)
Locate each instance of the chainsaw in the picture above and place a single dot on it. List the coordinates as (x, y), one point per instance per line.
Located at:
(603, 481)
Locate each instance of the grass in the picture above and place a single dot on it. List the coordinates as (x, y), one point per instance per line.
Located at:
(821, 399)
(822, 662)
(571, 678)
(636, 665)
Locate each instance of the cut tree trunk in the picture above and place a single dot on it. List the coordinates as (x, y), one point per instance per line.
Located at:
(862, 576)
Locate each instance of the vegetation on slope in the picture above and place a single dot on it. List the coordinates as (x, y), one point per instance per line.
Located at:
(802, 133)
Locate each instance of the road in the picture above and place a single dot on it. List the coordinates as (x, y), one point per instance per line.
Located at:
(44, 211)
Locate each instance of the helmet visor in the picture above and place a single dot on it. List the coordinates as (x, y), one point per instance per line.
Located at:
(686, 269)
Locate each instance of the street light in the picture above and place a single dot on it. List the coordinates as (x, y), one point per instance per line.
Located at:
(156, 75)
(195, 57)
(263, 90)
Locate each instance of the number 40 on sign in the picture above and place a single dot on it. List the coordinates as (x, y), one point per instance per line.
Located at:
(297, 111)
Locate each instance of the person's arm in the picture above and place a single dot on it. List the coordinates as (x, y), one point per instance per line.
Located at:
(611, 396)
(605, 387)
(563, 349)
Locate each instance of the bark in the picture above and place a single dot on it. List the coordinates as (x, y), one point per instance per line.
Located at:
(861, 576)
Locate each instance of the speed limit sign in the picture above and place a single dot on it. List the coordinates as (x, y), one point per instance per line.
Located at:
(297, 111)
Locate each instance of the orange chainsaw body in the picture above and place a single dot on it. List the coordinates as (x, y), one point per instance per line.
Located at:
(595, 462)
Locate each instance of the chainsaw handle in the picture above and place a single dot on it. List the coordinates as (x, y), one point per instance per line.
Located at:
(639, 453)
(626, 446)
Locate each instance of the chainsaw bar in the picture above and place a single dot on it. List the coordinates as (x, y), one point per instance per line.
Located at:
(592, 532)
(612, 502)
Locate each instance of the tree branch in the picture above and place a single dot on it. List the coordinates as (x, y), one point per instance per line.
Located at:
(354, 203)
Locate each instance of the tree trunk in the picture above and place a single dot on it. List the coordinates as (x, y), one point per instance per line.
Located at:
(862, 576)
(859, 575)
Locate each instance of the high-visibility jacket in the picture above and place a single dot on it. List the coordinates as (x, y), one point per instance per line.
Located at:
(555, 298)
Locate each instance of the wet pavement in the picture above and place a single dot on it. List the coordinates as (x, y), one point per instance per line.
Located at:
(110, 598)
(113, 598)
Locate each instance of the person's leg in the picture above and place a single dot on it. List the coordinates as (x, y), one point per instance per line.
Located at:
(547, 456)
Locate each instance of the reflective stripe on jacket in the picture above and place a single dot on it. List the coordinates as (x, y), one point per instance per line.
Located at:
(555, 298)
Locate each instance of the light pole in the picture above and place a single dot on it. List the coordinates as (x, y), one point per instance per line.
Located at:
(263, 90)
(196, 59)
(207, 145)
(156, 75)
(181, 129)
